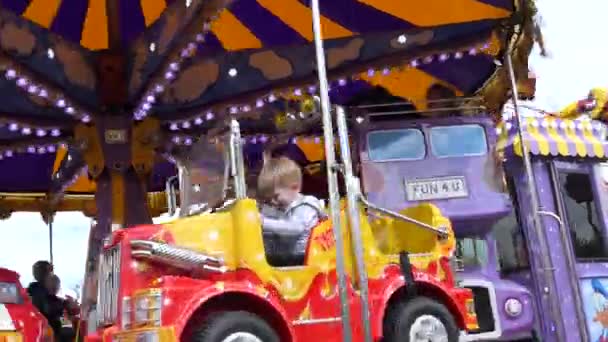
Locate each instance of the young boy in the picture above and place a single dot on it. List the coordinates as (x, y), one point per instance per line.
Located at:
(288, 216)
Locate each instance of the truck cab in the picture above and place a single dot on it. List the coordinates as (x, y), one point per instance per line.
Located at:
(206, 276)
(450, 162)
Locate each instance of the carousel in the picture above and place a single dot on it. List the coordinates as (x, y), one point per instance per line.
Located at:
(98, 97)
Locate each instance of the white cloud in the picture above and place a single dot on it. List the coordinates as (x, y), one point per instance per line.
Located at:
(25, 240)
(575, 37)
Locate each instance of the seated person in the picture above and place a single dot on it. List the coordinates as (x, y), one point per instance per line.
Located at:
(56, 308)
(37, 290)
(288, 216)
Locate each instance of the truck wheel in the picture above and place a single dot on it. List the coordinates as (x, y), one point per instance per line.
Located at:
(235, 326)
(420, 319)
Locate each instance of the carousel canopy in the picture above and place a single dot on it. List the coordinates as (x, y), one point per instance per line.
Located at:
(189, 64)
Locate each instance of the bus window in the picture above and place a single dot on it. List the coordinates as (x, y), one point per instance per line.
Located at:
(397, 144)
(458, 141)
(581, 211)
(472, 251)
(510, 240)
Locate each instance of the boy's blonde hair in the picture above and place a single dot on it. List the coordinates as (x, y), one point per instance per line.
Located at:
(276, 173)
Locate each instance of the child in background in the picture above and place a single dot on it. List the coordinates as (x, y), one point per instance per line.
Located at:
(287, 216)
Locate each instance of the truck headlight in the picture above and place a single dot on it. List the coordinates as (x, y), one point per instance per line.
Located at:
(148, 307)
(513, 307)
(125, 319)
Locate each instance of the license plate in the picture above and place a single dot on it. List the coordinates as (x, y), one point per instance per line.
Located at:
(436, 188)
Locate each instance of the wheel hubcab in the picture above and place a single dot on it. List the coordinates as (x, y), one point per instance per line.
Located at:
(242, 337)
(427, 328)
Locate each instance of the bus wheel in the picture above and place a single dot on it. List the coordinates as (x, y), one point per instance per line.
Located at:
(420, 319)
(235, 326)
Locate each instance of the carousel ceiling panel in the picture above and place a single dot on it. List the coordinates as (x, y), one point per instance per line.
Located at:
(33, 54)
(85, 22)
(263, 24)
(209, 80)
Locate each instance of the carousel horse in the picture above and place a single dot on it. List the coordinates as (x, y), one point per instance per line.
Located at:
(595, 105)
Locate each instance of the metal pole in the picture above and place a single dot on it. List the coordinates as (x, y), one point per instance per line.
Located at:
(51, 239)
(332, 177)
(353, 193)
(548, 291)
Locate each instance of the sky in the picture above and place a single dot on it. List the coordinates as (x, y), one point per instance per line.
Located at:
(574, 36)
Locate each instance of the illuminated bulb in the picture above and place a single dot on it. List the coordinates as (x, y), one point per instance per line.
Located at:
(209, 116)
(152, 47)
(458, 55)
(13, 127)
(151, 98)
(188, 141)
(70, 110)
(50, 53)
(414, 63)
(402, 39)
(232, 72)
(428, 59)
(188, 3)
(10, 74)
(43, 93)
(26, 131)
(8, 153)
(234, 110)
(55, 132)
(40, 132)
(41, 150)
(176, 139)
(359, 119)
(297, 92)
(173, 126)
(259, 103)
(32, 89)
(386, 71)
(146, 106)
(85, 118)
(200, 38)
(22, 82)
(371, 72)
(272, 98)
(60, 103)
(312, 89)
(198, 121)
(159, 88)
(186, 124)
(443, 57)
(31, 149)
(342, 82)
(263, 139)
(246, 108)
(174, 66)
(473, 52)
(169, 75)
(51, 148)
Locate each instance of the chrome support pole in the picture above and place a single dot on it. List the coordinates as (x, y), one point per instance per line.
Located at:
(546, 262)
(237, 161)
(353, 192)
(332, 177)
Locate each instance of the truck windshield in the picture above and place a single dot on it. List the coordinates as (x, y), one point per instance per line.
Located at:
(203, 176)
(472, 251)
(396, 144)
(458, 141)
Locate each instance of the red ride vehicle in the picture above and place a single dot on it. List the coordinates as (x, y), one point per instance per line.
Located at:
(20, 321)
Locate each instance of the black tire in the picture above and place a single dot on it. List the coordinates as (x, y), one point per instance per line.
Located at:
(222, 324)
(402, 316)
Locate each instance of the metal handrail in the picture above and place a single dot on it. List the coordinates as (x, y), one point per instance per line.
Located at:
(402, 103)
(431, 110)
(441, 231)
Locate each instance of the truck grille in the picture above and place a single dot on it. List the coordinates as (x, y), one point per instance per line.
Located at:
(483, 309)
(109, 282)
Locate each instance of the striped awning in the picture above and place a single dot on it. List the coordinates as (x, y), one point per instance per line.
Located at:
(551, 136)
